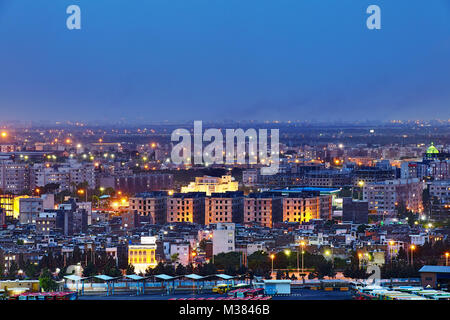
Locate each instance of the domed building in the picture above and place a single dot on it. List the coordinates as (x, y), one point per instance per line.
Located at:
(432, 150)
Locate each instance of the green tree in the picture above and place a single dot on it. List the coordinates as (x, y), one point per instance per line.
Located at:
(13, 270)
(46, 281)
(89, 270)
(130, 269)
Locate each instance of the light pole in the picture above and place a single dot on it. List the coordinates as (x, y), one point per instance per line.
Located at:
(446, 258)
(82, 191)
(303, 253)
(391, 243)
(272, 256)
(412, 247)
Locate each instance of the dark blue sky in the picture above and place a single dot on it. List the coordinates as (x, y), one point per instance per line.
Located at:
(224, 59)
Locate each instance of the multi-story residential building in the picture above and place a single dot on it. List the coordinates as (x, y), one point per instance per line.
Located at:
(302, 207)
(14, 176)
(366, 175)
(182, 251)
(263, 208)
(7, 204)
(250, 177)
(144, 182)
(66, 175)
(211, 185)
(224, 207)
(46, 222)
(186, 207)
(150, 206)
(329, 178)
(384, 197)
(355, 211)
(27, 208)
(223, 238)
(410, 170)
(440, 190)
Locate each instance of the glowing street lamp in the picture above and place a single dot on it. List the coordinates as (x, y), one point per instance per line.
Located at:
(4, 134)
(81, 192)
(302, 244)
(412, 247)
(272, 257)
(446, 258)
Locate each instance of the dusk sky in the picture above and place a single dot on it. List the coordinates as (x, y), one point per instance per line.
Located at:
(224, 60)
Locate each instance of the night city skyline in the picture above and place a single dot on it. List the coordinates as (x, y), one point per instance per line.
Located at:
(273, 152)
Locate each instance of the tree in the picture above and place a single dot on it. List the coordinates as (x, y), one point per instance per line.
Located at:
(46, 281)
(180, 270)
(89, 270)
(174, 257)
(13, 270)
(259, 262)
(31, 270)
(130, 269)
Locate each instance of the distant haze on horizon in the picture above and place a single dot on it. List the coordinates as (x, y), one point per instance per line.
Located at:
(213, 60)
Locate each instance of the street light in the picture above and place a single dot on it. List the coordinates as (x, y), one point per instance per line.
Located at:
(391, 249)
(81, 192)
(446, 258)
(412, 247)
(302, 244)
(272, 256)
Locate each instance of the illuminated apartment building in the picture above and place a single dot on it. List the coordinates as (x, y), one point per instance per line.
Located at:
(263, 208)
(303, 207)
(14, 177)
(211, 185)
(150, 206)
(186, 207)
(224, 207)
(142, 256)
(384, 197)
(7, 204)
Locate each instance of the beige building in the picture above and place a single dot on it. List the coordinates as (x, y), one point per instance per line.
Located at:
(224, 207)
(299, 209)
(186, 207)
(384, 197)
(150, 206)
(263, 209)
(211, 185)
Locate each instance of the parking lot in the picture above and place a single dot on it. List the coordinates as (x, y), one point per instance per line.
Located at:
(296, 294)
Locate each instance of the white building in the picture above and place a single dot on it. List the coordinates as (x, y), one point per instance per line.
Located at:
(223, 238)
(26, 209)
(384, 197)
(183, 250)
(14, 177)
